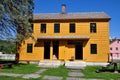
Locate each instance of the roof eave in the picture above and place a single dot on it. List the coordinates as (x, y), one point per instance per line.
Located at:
(76, 20)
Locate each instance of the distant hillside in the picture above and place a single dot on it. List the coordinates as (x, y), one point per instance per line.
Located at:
(7, 46)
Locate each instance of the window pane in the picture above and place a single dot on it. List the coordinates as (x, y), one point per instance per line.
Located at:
(116, 48)
(93, 27)
(29, 48)
(93, 48)
(118, 41)
(110, 48)
(43, 28)
(72, 28)
(56, 28)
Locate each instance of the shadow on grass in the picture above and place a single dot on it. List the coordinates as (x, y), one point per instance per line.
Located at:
(107, 74)
(107, 70)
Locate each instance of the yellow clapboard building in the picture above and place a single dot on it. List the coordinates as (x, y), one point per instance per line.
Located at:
(65, 36)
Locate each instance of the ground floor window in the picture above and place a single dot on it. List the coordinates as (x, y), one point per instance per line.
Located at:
(93, 48)
(29, 48)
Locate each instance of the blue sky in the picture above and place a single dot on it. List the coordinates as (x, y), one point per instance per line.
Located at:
(110, 7)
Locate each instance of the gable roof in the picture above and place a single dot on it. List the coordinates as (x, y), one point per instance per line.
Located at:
(114, 40)
(71, 16)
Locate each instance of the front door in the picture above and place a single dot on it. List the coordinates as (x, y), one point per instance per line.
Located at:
(46, 49)
(78, 52)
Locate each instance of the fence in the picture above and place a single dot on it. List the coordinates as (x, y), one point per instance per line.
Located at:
(7, 56)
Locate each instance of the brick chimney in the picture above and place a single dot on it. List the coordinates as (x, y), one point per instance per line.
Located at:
(63, 8)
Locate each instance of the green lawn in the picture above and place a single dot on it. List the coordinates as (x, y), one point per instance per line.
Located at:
(21, 68)
(89, 72)
(60, 71)
(10, 78)
(16, 78)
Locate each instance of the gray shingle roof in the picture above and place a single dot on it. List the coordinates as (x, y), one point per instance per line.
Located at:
(85, 15)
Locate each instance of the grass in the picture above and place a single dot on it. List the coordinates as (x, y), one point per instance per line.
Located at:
(10, 78)
(21, 69)
(62, 71)
(90, 72)
(16, 78)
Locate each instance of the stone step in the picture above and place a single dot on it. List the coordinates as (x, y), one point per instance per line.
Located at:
(75, 74)
(75, 64)
(50, 64)
(52, 78)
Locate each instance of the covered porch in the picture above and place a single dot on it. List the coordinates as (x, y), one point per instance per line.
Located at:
(63, 48)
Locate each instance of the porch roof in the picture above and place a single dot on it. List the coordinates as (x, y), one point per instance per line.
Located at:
(63, 37)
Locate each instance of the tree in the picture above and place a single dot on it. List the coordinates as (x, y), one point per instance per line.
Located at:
(15, 16)
(7, 46)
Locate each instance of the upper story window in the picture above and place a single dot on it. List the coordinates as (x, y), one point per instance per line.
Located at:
(72, 28)
(116, 48)
(29, 48)
(93, 27)
(43, 28)
(56, 28)
(93, 48)
(111, 48)
(117, 41)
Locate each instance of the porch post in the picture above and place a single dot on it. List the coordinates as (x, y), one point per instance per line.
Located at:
(51, 51)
